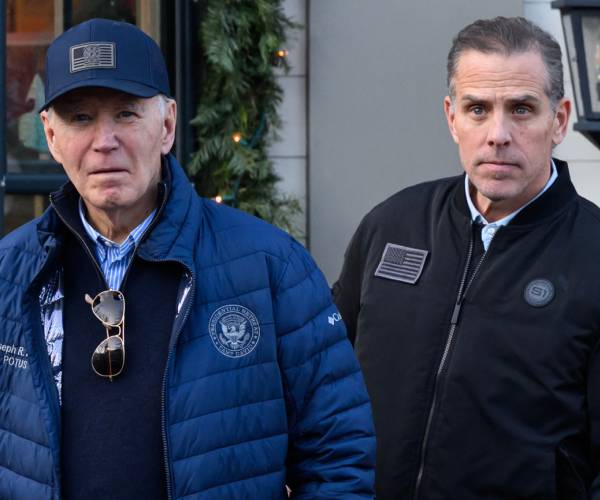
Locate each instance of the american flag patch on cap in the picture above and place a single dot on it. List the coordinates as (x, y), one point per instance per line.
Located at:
(92, 55)
(401, 263)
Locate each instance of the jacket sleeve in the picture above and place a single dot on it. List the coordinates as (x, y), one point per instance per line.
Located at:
(347, 290)
(331, 438)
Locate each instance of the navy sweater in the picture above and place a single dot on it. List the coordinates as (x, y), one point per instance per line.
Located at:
(111, 444)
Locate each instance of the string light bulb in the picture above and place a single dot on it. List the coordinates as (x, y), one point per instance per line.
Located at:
(218, 199)
(236, 137)
(281, 53)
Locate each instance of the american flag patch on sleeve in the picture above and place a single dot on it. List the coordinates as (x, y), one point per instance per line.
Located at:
(92, 55)
(401, 263)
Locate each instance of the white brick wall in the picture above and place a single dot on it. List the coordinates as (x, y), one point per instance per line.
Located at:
(582, 155)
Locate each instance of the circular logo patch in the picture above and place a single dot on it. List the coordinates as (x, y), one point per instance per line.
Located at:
(234, 330)
(539, 293)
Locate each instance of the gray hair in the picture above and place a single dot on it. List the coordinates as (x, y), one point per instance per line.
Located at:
(163, 103)
(507, 36)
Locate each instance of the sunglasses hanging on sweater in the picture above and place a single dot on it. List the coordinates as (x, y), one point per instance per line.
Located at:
(108, 359)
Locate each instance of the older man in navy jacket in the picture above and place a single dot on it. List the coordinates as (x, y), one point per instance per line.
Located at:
(157, 345)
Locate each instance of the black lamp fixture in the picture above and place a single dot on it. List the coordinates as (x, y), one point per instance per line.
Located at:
(581, 27)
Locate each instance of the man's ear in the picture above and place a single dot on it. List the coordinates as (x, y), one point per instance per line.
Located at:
(50, 135)
(561, 120)
(450, 112)
(168, 126)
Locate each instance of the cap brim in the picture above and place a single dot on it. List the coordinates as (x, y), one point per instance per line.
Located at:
(127, 86)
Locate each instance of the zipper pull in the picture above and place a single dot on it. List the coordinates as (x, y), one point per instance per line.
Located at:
(456, 313)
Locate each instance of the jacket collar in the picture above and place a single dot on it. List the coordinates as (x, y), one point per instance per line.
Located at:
(548, 205)
(179, 220)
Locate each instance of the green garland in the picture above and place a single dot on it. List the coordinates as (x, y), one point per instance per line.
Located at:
(237, 116)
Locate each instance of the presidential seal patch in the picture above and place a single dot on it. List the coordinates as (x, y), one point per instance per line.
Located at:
(234, 330)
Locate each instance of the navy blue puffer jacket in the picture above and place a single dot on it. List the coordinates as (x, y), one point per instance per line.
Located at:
(291, 409)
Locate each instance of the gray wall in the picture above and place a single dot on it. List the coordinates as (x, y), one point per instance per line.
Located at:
(376, 122)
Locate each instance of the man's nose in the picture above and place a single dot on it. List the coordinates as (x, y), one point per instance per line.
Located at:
(105, 138)
(499, 131)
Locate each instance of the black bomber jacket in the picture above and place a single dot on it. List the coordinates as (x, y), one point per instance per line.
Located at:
(484, 374)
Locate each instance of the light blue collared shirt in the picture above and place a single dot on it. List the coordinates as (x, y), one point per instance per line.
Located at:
(489, 229)
(114, 258)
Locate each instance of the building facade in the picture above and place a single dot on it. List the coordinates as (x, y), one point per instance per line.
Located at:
(28, 172)
(362, 111)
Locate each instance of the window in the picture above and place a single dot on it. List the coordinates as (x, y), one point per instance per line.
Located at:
(31, 25)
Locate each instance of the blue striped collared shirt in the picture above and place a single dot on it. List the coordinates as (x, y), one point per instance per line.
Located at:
(489, 229)
(114, 258)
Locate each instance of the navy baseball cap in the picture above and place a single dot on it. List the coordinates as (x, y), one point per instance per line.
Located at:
(104, 53)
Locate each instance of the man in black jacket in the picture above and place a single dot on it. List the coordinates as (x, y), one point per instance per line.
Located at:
(474, 302)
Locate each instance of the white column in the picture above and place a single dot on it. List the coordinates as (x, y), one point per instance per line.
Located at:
(289, 155)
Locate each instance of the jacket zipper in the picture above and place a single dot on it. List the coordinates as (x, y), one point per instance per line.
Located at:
(98, 270)
(186, 307)
(103, 278)
(88, 251)
(462, 291)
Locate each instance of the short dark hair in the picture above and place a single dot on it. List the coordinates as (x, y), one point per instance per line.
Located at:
(510, 35)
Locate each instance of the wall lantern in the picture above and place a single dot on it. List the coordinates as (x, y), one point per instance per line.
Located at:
(581, 27)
